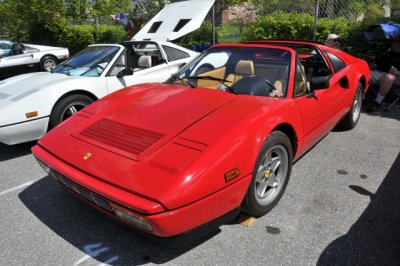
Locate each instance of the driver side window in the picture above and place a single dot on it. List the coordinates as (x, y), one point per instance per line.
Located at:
(118, 66)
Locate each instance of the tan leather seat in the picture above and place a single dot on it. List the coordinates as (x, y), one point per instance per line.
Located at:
(243, 68)
(301, 84)
(281, 83)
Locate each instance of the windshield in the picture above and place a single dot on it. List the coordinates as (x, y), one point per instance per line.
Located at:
(240, 70)
(89, 62)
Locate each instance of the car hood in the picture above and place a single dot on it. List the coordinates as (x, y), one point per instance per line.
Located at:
(141, 124)
(21, 86)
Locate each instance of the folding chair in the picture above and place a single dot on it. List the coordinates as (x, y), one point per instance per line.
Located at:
(393, 94)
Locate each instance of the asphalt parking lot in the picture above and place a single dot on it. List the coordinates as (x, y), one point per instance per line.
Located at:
(341, 207)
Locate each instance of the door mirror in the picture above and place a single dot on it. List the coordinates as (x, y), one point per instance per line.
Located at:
(125, 72)
(182, 65)
(319, 83)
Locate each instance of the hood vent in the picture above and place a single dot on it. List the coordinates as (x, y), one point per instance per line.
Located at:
(128, 138)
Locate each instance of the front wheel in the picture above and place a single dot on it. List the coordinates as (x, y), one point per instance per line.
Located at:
(270, 175)
(67, 107)
(47, 63)
(351, 119)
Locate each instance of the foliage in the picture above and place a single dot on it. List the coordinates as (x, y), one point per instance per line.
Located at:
(76, 37)
(202, 36)
(50, 22)
(340, 26)
(230, 33)
(280, 25)
(299, 26)
(83, 9)
(18, 21)
(111, 34)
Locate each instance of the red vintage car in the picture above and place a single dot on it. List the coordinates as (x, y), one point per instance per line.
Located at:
(217, 138)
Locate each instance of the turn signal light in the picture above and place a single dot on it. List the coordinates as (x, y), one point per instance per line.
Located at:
(232, 174)
(31, 114)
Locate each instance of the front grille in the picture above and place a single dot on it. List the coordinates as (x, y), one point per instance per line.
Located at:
(82, 192)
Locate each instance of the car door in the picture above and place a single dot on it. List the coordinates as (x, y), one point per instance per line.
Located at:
(17, 60)
(319, 110)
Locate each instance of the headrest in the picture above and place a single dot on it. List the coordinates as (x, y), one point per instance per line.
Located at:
(245, 67)
(144, 61)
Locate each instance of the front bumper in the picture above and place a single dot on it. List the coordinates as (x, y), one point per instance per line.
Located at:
(164, 223)
(24, 132)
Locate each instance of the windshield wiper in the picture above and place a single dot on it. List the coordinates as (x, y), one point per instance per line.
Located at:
(183, 81)
(222, 81)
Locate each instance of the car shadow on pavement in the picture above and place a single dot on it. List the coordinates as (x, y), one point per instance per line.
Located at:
(375, 238)
(15, 151)
(103, 239)
(393, 113)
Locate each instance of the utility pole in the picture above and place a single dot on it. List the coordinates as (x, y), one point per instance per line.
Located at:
(316, 20)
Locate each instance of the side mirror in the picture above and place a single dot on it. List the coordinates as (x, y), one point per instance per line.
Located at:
(182, 65)
(125, 72)
(319, 83)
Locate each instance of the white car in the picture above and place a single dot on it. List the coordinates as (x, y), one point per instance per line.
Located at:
(24, 58)
(31, 104)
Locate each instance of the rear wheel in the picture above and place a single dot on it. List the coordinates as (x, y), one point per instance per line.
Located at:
(351, 119)
(270, 175)
(67, 107)
(47, 63)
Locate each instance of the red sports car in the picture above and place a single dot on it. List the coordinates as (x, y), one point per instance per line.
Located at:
(217, 138)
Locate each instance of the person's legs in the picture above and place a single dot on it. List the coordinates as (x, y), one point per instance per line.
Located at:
(376, 76)
(386, 83)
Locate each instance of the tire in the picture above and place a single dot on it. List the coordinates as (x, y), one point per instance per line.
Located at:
(270, 175)
(351, 119)
(67, 107)
(47, 63)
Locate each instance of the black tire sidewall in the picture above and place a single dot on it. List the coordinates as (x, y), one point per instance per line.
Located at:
(59, 108)
(250, 204)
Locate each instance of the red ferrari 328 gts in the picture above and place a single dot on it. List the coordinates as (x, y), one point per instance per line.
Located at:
(217, 138)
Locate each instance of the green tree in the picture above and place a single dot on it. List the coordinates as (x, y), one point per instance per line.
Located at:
(19, 21)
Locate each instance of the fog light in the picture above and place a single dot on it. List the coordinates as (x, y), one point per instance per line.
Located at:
(131, 217)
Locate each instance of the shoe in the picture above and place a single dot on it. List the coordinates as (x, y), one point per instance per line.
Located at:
(373, 107)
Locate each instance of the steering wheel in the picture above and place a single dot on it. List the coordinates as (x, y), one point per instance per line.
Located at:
(271, 86)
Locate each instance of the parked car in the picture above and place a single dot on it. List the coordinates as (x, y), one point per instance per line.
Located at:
(24, 58)
(218, 138)
(37, 102)
(5, 48)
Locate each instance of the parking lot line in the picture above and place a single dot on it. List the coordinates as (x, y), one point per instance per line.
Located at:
(16, 188)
